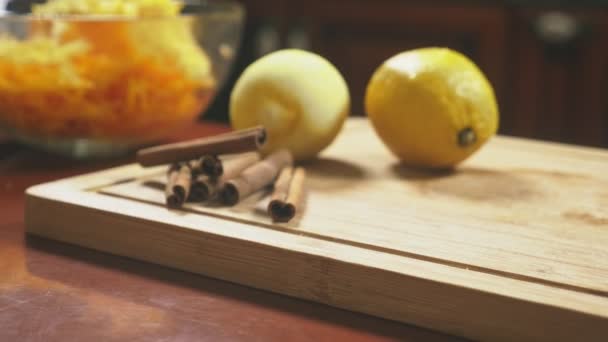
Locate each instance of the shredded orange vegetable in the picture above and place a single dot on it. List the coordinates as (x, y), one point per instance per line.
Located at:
(142, 98)
(97, 80)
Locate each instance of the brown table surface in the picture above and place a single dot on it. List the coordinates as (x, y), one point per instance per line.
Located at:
(51, 291)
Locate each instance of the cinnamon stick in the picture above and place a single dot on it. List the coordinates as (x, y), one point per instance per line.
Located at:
(199, 190)
(255, 177)
(287, 195)
(235, 142)
(205, 187)
(296, 188)
(210, 165)
(281, 186)
(234, 165)
(195, 166)
(178, 185)
(171, 199)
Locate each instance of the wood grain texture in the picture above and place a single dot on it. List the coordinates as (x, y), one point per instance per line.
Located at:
(52, 291)
(510, 244)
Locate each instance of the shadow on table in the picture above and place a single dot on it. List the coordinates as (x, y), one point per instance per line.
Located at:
(139, 281)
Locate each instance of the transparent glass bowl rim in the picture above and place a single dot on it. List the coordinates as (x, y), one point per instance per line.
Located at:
(229, 8)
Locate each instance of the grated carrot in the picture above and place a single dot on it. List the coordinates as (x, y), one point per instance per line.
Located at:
(110, 79)
(103, 99)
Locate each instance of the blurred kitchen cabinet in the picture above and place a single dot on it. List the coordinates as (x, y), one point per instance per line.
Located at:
(548, 65)
(358, 35)
(559, 75)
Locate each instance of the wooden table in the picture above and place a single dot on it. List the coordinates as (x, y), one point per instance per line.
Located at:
(51, 291)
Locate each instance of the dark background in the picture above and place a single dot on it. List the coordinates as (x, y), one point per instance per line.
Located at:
(547, 60)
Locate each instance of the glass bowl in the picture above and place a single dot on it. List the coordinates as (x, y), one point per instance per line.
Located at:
(89, 86)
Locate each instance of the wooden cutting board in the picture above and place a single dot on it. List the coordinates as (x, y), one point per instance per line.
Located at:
(513, 245)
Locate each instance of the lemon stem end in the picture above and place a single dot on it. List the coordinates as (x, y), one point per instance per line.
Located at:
(466, 137)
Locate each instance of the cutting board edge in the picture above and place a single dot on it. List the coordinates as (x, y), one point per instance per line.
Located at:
(80, 196)
(485, 323)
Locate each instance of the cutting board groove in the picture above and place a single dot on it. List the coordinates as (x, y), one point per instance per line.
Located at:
(398, 252)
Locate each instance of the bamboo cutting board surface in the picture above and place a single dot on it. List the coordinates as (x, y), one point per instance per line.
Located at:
(516, 238)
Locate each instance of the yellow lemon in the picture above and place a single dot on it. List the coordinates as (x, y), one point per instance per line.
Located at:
(298, 96)
(432, 107)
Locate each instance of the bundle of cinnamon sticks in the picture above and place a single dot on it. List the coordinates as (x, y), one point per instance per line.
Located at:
(227, 168)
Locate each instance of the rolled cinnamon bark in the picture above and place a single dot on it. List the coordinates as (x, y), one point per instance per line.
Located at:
(281, 186)
(209, 165)
(207, 187)
(255, 177)
(183, 182)
(296, 188)
(178, 185)
(170, 198)
(212, 166)
(287, 195)
(199, 190)
(195, 166)
(235, 142)
(234, 165)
